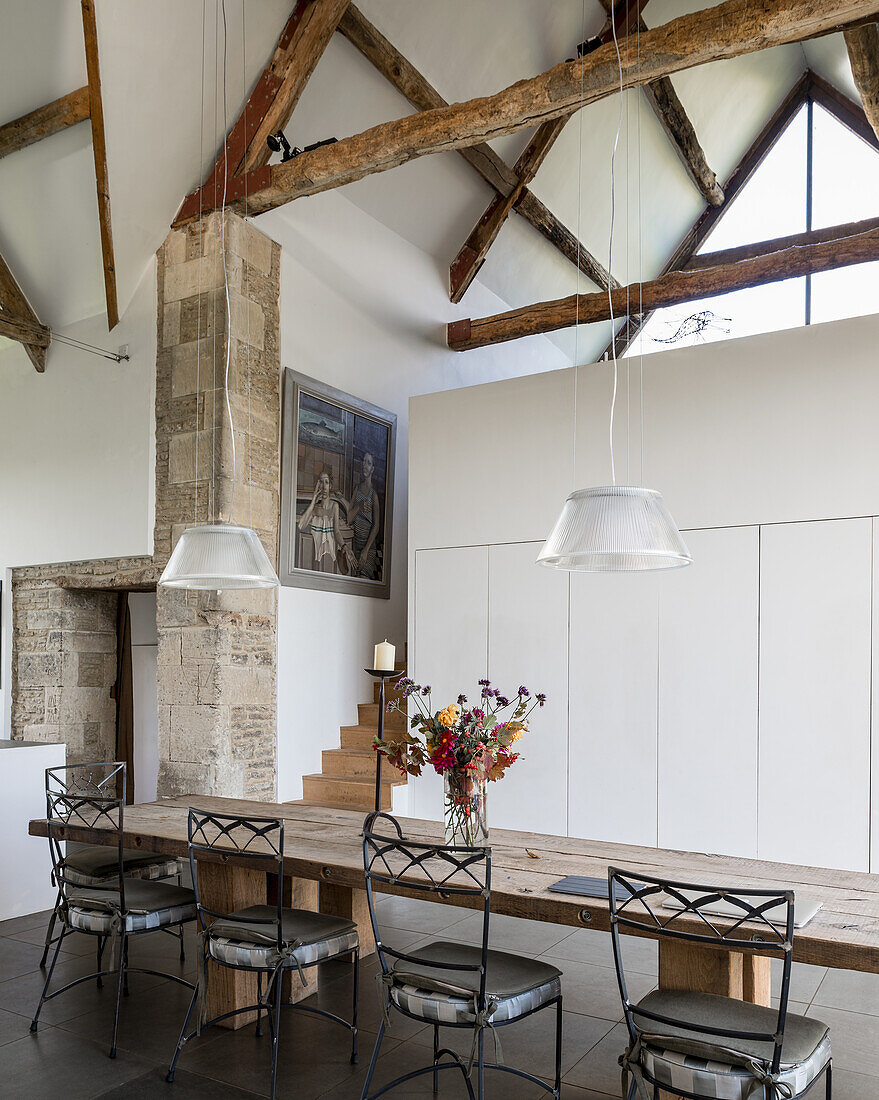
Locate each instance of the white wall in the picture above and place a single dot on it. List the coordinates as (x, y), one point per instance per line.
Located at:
(725, 707)
(364, 311)
(77, 451)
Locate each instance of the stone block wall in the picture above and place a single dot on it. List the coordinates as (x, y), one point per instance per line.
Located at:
(217, 651)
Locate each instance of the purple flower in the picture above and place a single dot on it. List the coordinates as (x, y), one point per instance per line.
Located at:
(478, 714)
(503, 701)
(523, 692)
(541, 698)
(461, 700)
(403, 681)
(426, 690)
(484, 683)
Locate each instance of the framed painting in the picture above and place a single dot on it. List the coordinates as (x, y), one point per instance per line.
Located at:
(337, 487)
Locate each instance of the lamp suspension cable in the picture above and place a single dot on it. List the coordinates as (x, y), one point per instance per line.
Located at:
(613, 158)
(198, 175)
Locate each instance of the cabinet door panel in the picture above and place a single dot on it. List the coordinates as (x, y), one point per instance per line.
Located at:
(815, 610)
(528, 644)
(613, 697)
(708, 661)
(450, 646)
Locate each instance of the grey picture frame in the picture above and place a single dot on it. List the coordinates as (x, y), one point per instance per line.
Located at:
(290, 573)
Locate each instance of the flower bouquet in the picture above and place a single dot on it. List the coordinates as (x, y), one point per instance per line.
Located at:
(467, 746)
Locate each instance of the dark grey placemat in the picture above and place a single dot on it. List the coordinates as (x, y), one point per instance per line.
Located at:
(587, 887)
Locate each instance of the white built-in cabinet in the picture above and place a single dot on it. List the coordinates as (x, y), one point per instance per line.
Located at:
(815, 642)
(725, 707)
(708, 668)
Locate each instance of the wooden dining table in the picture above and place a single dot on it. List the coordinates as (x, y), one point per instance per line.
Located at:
(323, 868)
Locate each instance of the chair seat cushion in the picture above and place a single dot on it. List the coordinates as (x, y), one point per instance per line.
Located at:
(689, 1058)
(308, 937)
(96, 863)
(148, 905)
(514, 984)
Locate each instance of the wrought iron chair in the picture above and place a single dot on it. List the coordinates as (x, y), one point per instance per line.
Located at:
(268, 939)
(452, 984)
(97, 865)
(116, 908)
(701, 1045)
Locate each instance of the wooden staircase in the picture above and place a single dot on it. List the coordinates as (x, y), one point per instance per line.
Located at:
(347, 776)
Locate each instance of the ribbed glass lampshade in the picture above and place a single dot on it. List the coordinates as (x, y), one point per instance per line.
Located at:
(219, 556)
(615, 529)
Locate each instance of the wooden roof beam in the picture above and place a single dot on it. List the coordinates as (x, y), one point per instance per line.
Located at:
(99, 145)
(471, 255)
(862, 44)
(18, 320)
(729, 29)
(409, 82)
(66, 111)
(269, 107)
(668, 290)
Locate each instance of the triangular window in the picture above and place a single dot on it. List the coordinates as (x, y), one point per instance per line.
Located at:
(817, 174)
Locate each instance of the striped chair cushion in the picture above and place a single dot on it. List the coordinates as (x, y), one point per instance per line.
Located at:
(727, 1082)
(451, 1008)
(84, 868)
(148, 905)
(515, 984)
(309, 937)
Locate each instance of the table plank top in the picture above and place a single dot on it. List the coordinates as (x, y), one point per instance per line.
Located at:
(324, 844)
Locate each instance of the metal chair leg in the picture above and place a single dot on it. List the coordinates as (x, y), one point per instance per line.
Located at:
(100, 954)
(50, 931)
(558, 1049)
(120, 978)
(125, 968)
(828, 1081)
(354, 1006)
(276, 1033)
(36, 1018)
(375, 1051)
(171, 1069)
(259, 1004)
(435, 1057)
(480, 1081)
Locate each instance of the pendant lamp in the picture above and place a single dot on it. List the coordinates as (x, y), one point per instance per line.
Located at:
(615, 529)
(612, 528)
(219, 555)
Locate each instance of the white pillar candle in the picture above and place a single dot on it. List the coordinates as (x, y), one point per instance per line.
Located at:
(383, 659)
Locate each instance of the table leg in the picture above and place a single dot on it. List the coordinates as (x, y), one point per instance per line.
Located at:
(348, 902)
(705, 969)
(300, 893)
(225, 888)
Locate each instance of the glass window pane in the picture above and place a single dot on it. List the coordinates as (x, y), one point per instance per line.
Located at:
(845, 174)
(847, 292)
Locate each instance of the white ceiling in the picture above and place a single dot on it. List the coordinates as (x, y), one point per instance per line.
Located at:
(151, 62)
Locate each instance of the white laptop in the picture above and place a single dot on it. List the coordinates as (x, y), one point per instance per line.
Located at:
(804, 908)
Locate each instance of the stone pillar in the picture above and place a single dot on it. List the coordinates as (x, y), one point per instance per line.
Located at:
(217, 652)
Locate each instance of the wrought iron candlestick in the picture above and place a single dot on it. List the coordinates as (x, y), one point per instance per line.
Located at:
(383, 674)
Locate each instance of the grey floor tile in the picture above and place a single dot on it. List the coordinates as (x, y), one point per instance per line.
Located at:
(853, 1086)
(17, 958)
(599, 1070)
(12, 1026)
(593, 990)
(21, 924)
(514, 934)
(418, 916)
(850, 990)
(401, 939)
(313, 1057)
(853, 1037)
(529, 1044)
(804, 980)
(53, 1063)
(640, 955)
(187, 1086)
(75, 944)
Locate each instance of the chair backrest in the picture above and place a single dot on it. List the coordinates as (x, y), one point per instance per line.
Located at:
(257, 841)
(672, 910)
(442, 869)
(85, 796)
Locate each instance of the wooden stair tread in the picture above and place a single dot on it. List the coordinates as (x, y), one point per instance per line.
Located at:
(366, 781)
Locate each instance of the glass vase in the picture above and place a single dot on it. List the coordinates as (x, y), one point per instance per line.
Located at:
(465, 817)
